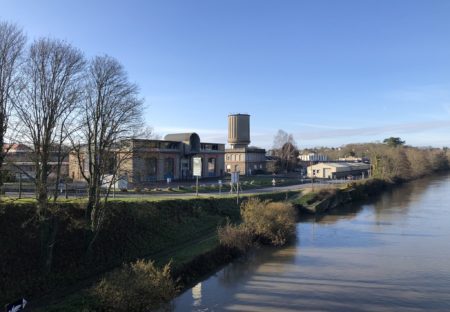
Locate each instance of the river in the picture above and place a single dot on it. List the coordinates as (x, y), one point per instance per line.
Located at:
(390, 254)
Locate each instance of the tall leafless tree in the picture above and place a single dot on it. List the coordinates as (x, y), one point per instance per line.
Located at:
(110, 116)
(12, 41)
(52, 75)
(285, 148)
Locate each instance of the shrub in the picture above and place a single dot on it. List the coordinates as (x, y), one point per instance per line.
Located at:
(271, 221)
(139, 286)
(236, 236)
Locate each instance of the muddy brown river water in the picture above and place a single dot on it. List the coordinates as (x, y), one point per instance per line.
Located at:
(390, 254)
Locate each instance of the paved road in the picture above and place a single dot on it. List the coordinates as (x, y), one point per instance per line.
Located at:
(295, 187)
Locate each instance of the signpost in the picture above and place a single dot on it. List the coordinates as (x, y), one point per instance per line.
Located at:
(16, 306)
(197, 171)
(235, 181)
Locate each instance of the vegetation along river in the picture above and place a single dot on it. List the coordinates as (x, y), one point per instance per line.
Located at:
(391, 254)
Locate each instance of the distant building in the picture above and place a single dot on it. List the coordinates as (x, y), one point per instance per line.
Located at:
(149, 161)
(313, 157)
(354, 159)
(240, 157)
(246, 160)
(338, 170)
(19, 162)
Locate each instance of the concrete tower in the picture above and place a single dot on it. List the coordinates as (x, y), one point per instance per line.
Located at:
(239, 130)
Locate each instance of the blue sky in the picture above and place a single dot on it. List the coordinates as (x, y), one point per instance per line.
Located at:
(330, 72)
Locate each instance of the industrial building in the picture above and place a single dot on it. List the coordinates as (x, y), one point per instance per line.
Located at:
(149, 161)
(338, 170)
(312, 157)
(241, 157)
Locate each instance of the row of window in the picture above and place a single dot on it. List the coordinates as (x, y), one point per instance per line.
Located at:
(237, 168)
(234, 157)
(210, 147)
(158, 144)
(248, 156)
(150, 171)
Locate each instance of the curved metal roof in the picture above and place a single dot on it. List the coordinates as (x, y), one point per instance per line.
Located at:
(180, 137)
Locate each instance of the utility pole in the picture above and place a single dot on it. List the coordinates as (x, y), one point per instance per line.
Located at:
(196, 186)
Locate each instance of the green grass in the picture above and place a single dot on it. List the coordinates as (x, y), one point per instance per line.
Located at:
(83, 301)
(304, 200)
(188, 253)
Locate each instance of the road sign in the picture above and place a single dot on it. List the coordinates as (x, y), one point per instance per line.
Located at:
(19, 305)
(197, 164)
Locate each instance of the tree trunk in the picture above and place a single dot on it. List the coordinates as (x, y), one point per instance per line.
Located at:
(48, 231)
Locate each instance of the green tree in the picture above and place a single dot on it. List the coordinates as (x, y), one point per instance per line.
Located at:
(394, 141)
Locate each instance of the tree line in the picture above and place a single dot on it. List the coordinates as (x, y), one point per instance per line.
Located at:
(393, 159)
(390, 160)
(56, 101)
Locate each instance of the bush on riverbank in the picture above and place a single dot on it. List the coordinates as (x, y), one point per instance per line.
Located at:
(139, 286)
(273, 222)
(237, 236)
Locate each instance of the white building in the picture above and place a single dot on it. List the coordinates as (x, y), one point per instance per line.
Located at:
(312, 157)
(338, 170)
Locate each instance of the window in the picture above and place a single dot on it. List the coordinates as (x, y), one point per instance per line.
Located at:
(169, 145)
(153, 144)
(211, 167)
(150, 169)
(169, 167)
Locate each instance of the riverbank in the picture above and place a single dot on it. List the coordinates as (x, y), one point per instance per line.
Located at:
(326, 199)
(274, 227)
(161, 230)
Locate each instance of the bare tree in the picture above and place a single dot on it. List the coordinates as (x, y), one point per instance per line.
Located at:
(12, 41)
(111, 115)
(285, 148)
(52, 75)
(147, 133)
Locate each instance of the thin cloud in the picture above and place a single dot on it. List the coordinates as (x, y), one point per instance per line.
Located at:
(372, 131)
(320, 126)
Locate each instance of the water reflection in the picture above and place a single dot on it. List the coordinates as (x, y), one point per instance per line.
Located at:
(390, 254)
(274, 260)
(197, 294)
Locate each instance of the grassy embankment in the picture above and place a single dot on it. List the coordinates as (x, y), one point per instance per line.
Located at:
(177, 229)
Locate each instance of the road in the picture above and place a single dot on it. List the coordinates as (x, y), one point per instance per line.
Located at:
(295, 187)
